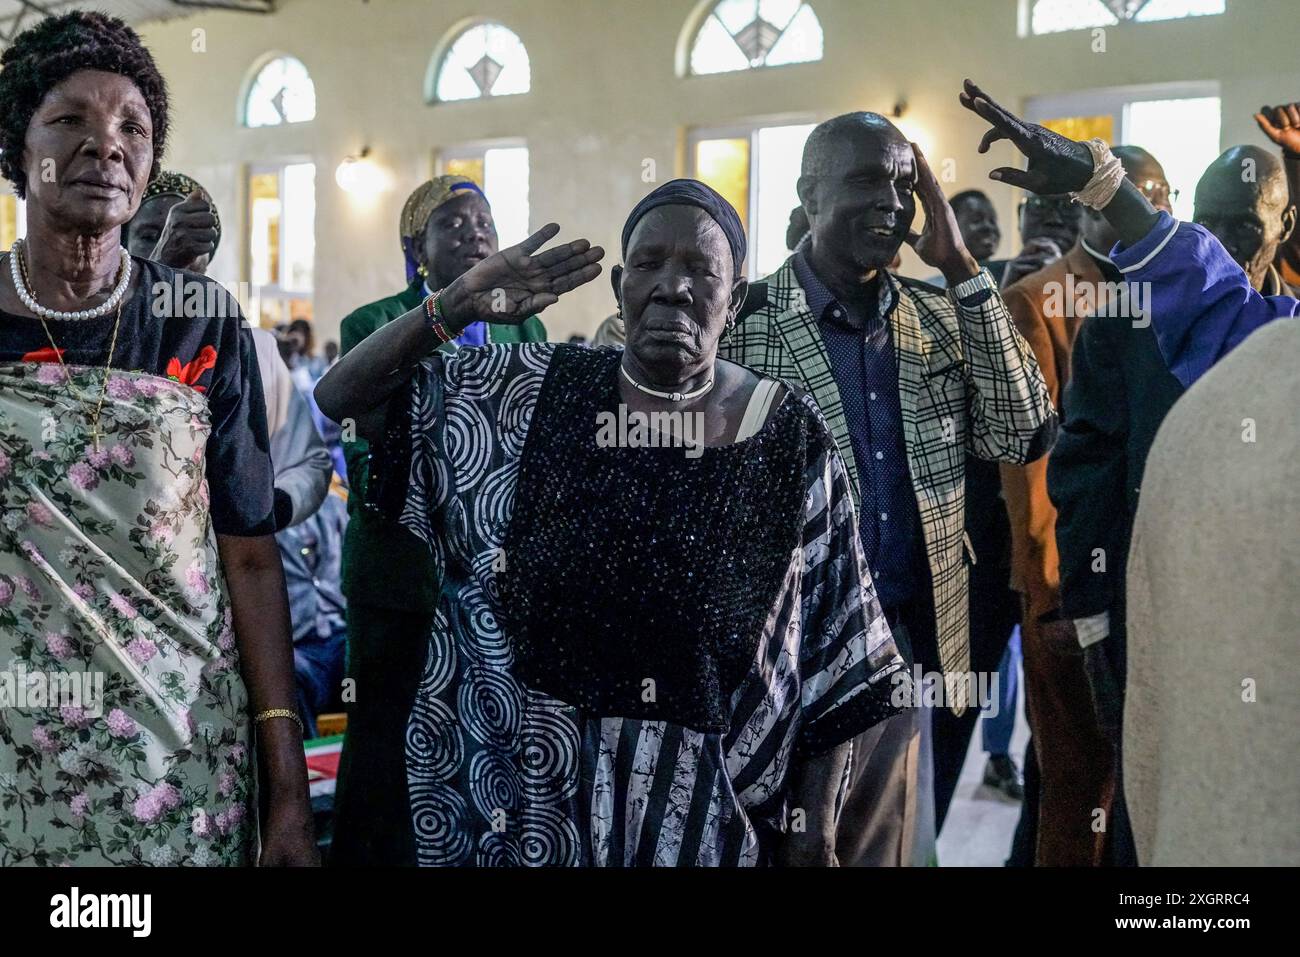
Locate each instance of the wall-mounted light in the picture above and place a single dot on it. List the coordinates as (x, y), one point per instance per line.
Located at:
(360, 175)
(913, 130)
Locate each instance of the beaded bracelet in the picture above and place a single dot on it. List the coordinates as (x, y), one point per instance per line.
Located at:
(436, 323)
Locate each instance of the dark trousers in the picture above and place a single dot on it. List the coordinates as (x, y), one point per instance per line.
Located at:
(1024, 843)
(1075, 759)
(318, 673)
(372, 818)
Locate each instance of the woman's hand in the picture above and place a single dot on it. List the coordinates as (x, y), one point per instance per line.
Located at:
(515, 283)
(288, 835)
(189, 233)
(1056, 164)
(939, 244)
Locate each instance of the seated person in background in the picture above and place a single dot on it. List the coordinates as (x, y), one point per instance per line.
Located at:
(312, 552)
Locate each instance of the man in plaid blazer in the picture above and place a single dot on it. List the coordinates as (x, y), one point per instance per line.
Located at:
(910, 378)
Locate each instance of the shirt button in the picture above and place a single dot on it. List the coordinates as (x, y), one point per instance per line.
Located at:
(873, 397)
(836, 313)
(884, 516)
(880, 455)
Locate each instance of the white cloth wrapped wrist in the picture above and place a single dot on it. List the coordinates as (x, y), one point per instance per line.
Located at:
(1107, 175)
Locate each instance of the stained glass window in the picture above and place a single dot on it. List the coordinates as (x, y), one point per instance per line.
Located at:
(281, 93)
(485, 60)
(744, 34)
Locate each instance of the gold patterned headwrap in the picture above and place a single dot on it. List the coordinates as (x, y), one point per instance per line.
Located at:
(419, 207)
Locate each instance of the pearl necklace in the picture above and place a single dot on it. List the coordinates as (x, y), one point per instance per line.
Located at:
(670, 396)
(17, 270)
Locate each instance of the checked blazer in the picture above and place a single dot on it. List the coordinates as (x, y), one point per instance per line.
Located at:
(967, 382)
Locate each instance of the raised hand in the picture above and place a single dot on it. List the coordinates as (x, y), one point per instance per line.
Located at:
(939, 244)
(189, 234)
(518, 282)
(1281, 124)
(1056, 164)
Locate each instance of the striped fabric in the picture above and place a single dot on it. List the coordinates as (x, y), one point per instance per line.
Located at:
(500, 774)
(966, 381)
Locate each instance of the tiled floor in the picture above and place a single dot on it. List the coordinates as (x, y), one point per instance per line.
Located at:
(981, 821)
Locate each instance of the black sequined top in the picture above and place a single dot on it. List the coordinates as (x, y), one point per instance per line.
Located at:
(638, 579)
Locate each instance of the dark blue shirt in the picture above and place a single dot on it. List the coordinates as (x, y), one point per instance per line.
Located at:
(860, 348)
(311, 553)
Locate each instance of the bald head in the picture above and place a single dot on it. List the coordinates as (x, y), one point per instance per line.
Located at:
(827, 142)
(857, 187)
(1242, 198)
(1139, 165)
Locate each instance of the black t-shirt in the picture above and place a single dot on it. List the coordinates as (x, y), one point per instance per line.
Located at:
(186, 327)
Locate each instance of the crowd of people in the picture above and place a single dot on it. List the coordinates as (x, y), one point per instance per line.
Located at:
(744, 626)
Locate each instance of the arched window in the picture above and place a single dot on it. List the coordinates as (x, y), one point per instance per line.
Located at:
(745, 34)
(1056, 16)
(282, 92)
(485, 59)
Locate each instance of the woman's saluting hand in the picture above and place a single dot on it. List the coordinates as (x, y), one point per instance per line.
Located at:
(515, 283)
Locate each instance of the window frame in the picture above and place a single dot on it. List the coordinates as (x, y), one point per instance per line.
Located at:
(273, 290)
(737, 130)
(477, 149)
(1115, 100)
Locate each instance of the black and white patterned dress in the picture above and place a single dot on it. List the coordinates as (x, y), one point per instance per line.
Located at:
(499, 774)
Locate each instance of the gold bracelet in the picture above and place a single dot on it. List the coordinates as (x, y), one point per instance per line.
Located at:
(281, 713)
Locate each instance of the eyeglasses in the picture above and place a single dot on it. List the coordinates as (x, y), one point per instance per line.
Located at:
(1158, 192)
(1063, 206)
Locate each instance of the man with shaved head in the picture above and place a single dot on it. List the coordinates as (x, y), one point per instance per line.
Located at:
(910, 378)
(1243, 199)
(1074, 753)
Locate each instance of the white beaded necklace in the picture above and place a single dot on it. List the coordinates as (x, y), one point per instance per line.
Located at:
(670, 396)
(29, 300)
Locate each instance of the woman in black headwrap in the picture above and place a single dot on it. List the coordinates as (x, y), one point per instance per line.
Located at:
(657, 635)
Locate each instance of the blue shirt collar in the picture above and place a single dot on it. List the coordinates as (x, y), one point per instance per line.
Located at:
(820, 299)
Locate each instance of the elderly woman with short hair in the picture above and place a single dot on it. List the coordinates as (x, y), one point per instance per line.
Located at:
(648, 652)
(135, 503)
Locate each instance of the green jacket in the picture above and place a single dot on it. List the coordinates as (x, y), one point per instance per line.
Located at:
(384, 564)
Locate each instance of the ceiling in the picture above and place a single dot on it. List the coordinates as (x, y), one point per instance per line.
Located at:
(17, 15)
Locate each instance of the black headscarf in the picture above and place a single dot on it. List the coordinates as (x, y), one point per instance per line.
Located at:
(691, 192)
